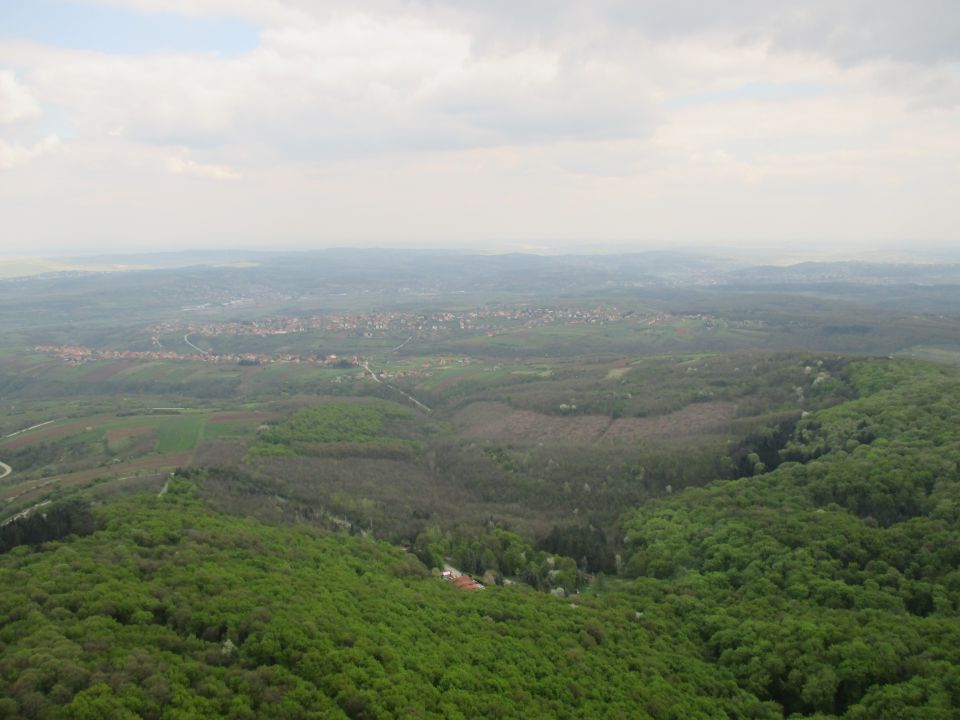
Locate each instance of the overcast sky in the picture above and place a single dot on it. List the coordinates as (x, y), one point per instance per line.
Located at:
(543, 125)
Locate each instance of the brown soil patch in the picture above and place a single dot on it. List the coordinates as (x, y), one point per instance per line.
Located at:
(498, 421)
(54, 432)
(118, 434)
(105, 372)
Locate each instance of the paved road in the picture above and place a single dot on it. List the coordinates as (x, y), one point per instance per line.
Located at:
(5, 470)
(186, 339)
(366, 366)
(411, 398)
(32, 427)
(402, 344)
(408, 396)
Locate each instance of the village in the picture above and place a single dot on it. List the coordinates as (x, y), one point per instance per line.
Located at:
(76, 355)
(368, 324)
(79, 354)
(485, 321)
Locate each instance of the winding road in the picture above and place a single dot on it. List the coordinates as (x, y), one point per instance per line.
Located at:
(6, 469)
(186, 339)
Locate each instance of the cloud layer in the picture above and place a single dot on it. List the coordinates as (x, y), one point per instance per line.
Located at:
(488, 124)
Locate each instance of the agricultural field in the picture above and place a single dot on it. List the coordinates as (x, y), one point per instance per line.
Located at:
(516, 437)
(535, 406)
(49, 456)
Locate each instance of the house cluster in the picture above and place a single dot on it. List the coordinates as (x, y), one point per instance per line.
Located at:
(425, 370)
(371, 324)
(78, 355)
(459, 580)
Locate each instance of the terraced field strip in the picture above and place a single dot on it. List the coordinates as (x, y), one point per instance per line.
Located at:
(32, 427)
(34, 489)
(23, 438)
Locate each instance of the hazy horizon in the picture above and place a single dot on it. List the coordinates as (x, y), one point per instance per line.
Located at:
(24, 265)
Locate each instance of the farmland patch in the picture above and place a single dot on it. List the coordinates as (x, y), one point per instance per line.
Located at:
(179, 433)
(54, 432)
(119, 434)
(105, 371)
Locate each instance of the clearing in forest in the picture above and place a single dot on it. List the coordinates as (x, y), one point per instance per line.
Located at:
(498, 421)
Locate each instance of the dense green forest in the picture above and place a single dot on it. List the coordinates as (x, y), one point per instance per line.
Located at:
(832, 584)
(172, 611)
(823, 582)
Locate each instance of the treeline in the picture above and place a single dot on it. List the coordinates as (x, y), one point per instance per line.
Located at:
(49, 522)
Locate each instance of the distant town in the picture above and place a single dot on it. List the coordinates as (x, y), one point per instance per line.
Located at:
(79, 354)
(490, 320)
(483, 321)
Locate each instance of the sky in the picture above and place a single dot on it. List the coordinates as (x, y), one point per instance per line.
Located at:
(824, 126)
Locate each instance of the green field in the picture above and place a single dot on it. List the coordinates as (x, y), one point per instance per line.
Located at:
(179, 433)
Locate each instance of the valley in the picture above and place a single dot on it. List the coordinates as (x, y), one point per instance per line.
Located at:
(654, 485)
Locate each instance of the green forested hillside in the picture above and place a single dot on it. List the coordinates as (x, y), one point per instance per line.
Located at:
(830, 585)
(826, 587)
(172, 611)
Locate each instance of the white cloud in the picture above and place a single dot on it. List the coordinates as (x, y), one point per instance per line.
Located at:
(535, 121)
(16, 101)
(12, 155)
(353, 85)
(182, 165)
